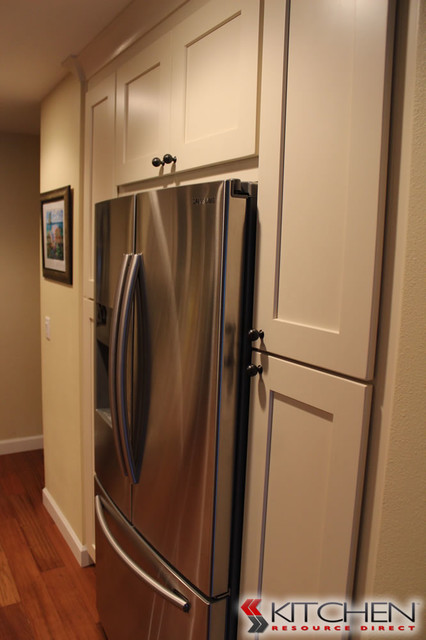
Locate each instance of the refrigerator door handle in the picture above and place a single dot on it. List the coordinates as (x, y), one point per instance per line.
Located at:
(123, 331)
(175, 598)
(112, 364)
(142, 355)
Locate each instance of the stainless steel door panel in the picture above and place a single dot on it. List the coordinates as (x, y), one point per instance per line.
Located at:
(180, 233)
(130, 608)
(107, 467)
(114, 239)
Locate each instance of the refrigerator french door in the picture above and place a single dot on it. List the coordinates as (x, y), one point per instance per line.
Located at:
(174, 277)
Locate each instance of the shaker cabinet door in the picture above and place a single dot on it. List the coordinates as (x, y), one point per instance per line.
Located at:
(191, 95)
(215, 75)
(99, 161)
(143, 112)
(324, 122)
(307, 438)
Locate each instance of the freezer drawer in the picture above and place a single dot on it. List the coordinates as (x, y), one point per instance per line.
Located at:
(139, 596)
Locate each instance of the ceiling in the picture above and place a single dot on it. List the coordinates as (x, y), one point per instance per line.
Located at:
(36, 37)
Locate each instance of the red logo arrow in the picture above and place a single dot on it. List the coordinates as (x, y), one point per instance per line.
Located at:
(249, 607)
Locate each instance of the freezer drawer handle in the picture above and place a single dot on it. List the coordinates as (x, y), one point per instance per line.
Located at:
(178, 600)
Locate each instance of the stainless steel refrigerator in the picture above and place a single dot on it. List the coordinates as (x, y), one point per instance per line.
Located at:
(174, 277)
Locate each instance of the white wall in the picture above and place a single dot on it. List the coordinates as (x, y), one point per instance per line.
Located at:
(60, 166)
(20, 368)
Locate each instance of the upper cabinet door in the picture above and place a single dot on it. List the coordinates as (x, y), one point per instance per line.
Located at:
(324, 123)
(215, 76)
(143, 112)
(99, 162)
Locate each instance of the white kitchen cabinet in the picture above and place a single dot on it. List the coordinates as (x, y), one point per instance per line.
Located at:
(143, 112)
(305, 464)
(192, 94)
(322, 171)
(215, 77)
(99, 165)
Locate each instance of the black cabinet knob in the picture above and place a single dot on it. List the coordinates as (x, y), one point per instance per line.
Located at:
(168, 159)
(254, 369)
(256, 334)
(157, 162)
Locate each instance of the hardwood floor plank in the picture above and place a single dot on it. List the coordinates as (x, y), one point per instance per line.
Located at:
(73, 611)
(14, 624)
(56, 597)
(84, 578)
(8, 591)
(6, 510)
(35, 598)
(46, 621)
(37, 536)
(31, 471)
(12, 484)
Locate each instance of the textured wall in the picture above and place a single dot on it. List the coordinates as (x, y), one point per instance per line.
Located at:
(393, 534)
(402, 552)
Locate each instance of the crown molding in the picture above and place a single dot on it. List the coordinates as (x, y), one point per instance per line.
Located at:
(135, 21)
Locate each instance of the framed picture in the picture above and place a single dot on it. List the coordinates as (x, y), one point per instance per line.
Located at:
(56, 234)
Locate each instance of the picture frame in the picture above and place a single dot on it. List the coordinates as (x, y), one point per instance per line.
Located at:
(56, 234)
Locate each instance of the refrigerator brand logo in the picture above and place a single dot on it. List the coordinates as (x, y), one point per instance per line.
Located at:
(325, 617)
(210, 200)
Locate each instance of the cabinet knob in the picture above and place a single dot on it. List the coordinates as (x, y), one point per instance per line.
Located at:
(254, 369)
(168, 158)
(157, 162)
(256, 334)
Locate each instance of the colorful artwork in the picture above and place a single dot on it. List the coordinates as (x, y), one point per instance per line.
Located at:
(54, 233)
(56, 225)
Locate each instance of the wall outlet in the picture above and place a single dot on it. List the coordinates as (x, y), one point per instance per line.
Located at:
(47, 327)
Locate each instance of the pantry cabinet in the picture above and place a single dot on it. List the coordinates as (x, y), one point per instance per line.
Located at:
(326, 69)
(191, 95)
(306, 449)
(322, 175)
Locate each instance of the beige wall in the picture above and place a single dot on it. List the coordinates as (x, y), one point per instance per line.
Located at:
(393, 540)
(60, 166)
(20, 386)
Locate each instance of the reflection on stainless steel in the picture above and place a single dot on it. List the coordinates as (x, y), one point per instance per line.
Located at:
(174, 504)
(130, 609)
(125, 337)
(112, 365)
(114, 232)
(169, 595)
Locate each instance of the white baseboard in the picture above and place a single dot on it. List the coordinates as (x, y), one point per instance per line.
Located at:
(79, 551)
(16, 445)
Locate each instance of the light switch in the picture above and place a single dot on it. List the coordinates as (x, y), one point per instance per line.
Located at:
(47, 327)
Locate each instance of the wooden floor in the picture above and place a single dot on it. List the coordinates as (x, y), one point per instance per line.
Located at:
(44, 593)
